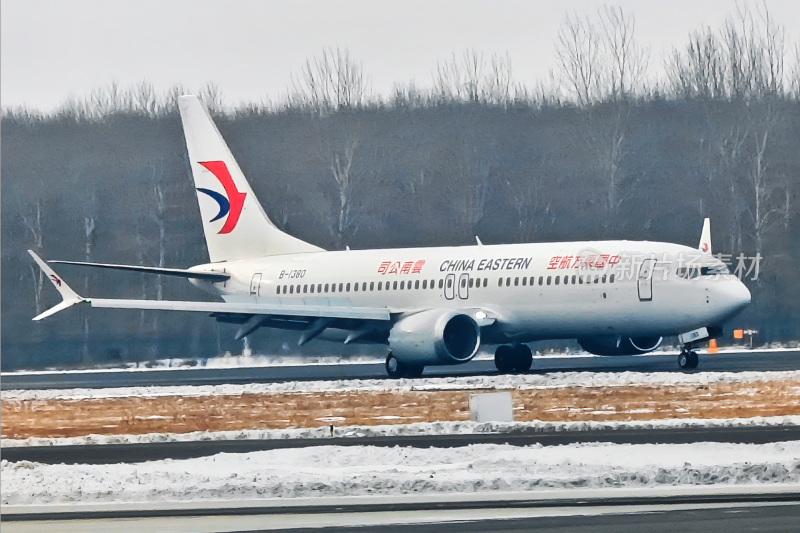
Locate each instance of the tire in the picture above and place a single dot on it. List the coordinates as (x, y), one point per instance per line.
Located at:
(684, 360)
(413, 371)
(394, 368)
(693, 360)
(523, 358)
(504, 359)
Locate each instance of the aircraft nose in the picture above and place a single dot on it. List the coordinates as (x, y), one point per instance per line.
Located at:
(736, 296)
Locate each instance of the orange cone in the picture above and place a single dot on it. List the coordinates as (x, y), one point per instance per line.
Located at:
(712, 346)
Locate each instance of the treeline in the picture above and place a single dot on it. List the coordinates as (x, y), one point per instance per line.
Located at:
(599, 152)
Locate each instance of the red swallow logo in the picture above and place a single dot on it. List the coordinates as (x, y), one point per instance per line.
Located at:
(235, 198)
(55, 279)
(705, 246)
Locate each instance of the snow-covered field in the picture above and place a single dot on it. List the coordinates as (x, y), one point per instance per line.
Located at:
(360, 470)
(499, 382)
(404, 430)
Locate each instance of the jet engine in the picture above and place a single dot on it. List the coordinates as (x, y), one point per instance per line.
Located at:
(615, 345)
(435, 337)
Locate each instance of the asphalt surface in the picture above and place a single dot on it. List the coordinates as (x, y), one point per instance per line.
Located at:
(677, 512)
(132, 453)
(722, 362)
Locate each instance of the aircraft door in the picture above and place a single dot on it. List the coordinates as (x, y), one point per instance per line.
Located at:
(255, 285)
(463, 286)
(645, 280)
(450, 286)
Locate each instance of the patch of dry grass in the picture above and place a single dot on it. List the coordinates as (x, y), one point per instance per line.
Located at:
(72, 418)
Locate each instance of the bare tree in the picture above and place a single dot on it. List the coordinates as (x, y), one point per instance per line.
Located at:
(745, 60)
(90, 239)
(32, 219)
(770, 197)
(601, 61)
(469, 78)
(330, 82)
(340, 162)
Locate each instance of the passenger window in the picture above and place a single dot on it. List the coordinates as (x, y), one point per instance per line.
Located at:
(364, 286)
(278, 289)
(597, 278)
(471, 282)
(319, 287)
(604, 278)
(573, 279)
(611, 278)
(424, 283)
(549, 278)
(516, 282)
(372, 285)
(524, 282)
(340, 287)
(312, 288)
(298, 289)
(449, 283)
(566, 280)
(485, 281)
(508, 282)
(500, 282)
(441, 284)
(355, 287)
(541, 280)
(557, 277)
(394, 285)
(305, 289)
(291, 289)
(402, 285)
(326, 287)
(416, 284)
(380, 283)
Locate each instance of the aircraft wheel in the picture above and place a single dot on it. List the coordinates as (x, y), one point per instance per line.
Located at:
(688, 360)
(523, 358)
(413, 371)
(394, 368)
(504, 359)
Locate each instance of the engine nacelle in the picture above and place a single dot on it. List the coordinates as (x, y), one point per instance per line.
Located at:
(613, 345)
(435, 337)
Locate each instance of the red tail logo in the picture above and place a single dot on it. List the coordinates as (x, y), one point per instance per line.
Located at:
(235, 198)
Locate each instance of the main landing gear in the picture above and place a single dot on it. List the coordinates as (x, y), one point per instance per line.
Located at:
(396, 369)
(688, 359)
(516, 358)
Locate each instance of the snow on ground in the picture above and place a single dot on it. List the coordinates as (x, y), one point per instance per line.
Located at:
(496, 382)
(401, 430)
(247, 360)
(361, 470)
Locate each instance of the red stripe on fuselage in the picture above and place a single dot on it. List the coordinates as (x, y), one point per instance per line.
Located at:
(236, 198)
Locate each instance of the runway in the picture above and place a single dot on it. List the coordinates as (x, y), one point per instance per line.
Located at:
(722, 362)
(132, 453)
(692, 509)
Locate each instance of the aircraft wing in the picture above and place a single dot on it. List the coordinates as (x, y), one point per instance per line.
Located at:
(179, 272)
(70, 298)
(319, 311)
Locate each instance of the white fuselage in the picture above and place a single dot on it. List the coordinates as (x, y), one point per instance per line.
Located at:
(534, 291)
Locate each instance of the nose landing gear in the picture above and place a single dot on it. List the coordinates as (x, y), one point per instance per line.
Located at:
(516, 358)
(688, 358)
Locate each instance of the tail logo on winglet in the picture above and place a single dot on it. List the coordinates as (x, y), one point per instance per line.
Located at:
(233, 204)
(55, 279)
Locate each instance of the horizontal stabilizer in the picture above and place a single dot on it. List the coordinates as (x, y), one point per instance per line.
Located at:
(68, 296)
(181, 273)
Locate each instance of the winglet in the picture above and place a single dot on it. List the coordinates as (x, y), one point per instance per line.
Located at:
(705, 237)
(68, 296)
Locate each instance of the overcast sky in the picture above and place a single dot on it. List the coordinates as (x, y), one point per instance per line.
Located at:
(53, 49)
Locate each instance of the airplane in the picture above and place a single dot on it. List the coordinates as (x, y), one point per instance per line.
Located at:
(432, 306)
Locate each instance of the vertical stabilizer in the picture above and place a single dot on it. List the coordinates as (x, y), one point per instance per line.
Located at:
(705, 237)
(234, 223)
